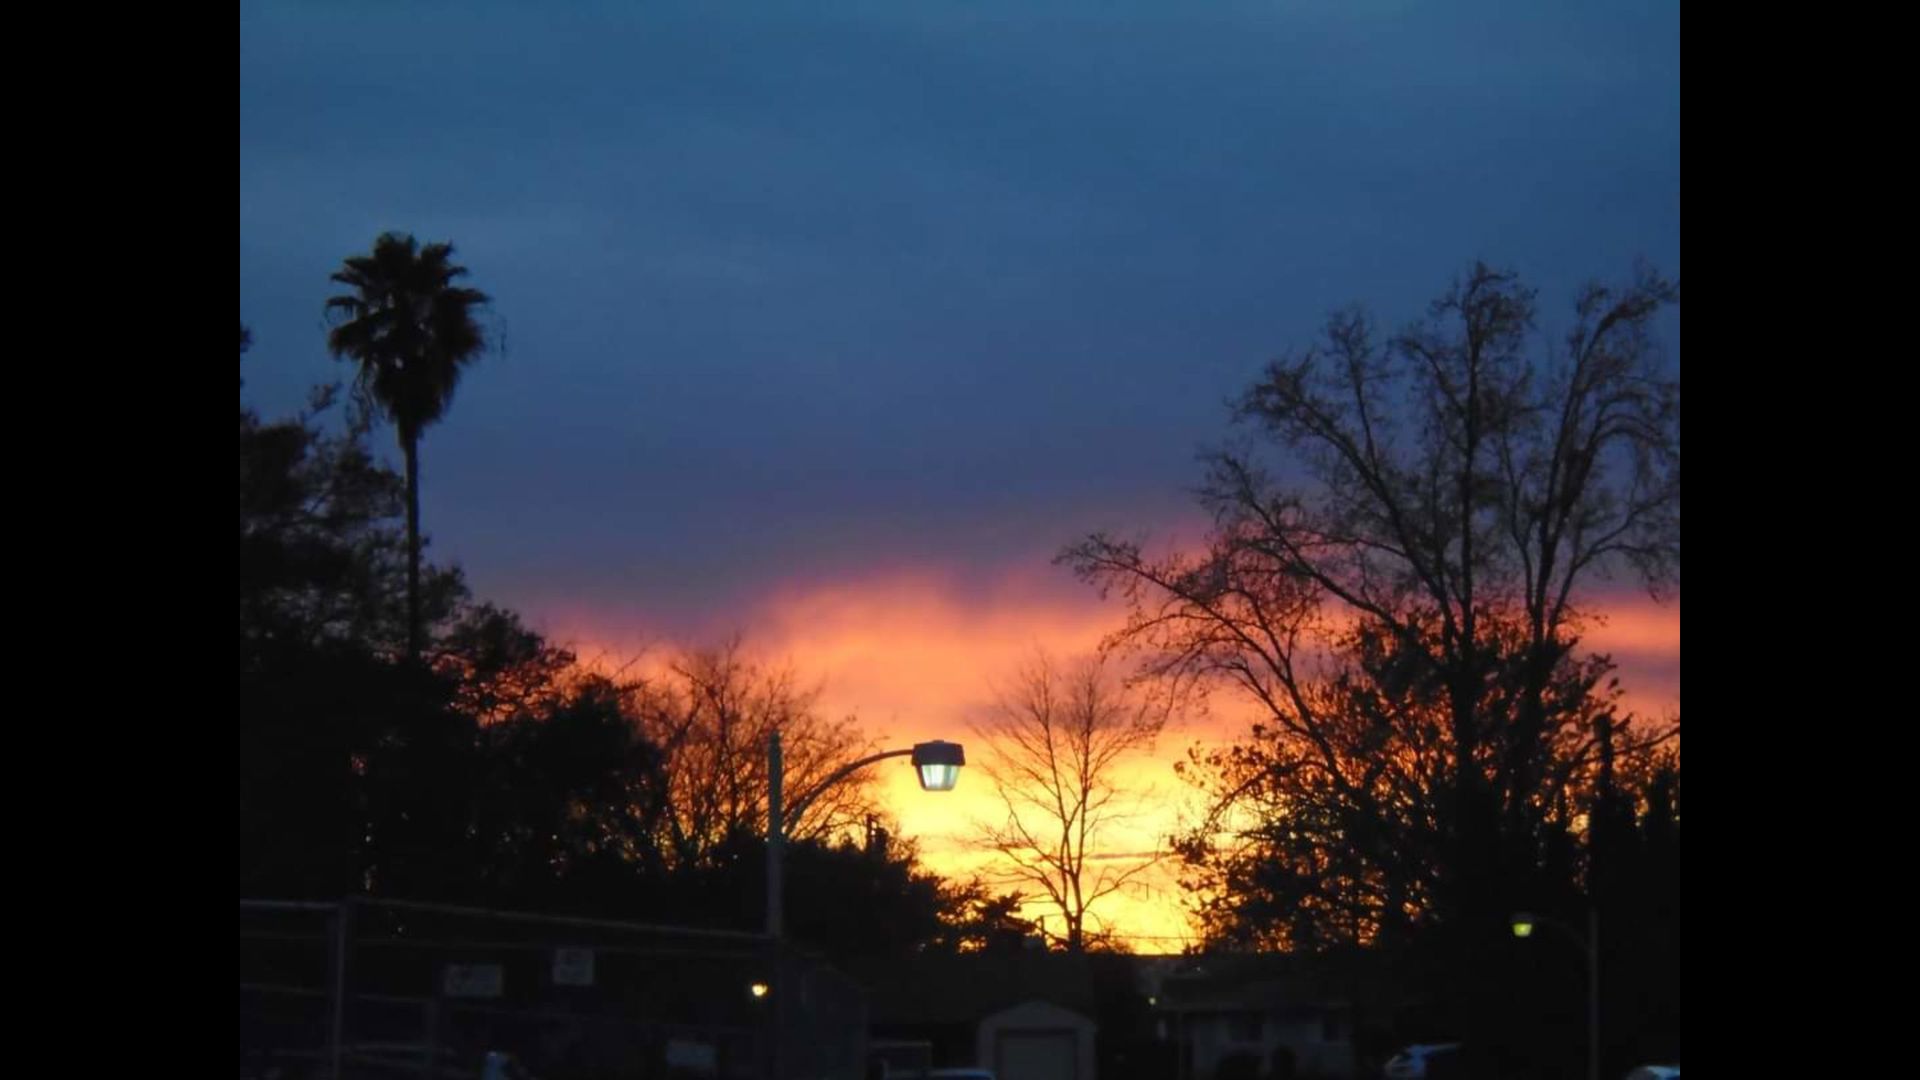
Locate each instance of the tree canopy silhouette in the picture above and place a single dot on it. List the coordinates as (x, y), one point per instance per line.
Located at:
(501, 771)
(1402, 595)
(411, 330)
(1054, 741)
(711, 713)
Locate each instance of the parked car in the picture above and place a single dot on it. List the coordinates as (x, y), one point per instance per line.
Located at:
(1412, 1063)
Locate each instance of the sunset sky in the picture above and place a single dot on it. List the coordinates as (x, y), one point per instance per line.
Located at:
(828, 324)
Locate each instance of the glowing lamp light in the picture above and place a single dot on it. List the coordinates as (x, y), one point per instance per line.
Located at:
(938, 763)
(758, 990)
(1522, 925)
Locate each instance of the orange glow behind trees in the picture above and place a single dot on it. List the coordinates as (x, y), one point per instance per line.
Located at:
(915, 655)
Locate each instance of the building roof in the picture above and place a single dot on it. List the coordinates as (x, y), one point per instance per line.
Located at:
(1271, 982)
(948, 989)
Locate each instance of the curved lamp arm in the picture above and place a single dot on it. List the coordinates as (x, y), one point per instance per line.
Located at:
(800, 804)
(936, 761)
(1524, 922)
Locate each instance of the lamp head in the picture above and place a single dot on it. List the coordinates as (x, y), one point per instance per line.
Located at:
(1522, 925)
(938, 763)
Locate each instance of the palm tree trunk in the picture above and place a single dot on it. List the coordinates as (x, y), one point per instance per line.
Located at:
(412, 447)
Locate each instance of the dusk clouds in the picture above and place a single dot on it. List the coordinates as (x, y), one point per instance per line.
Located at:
(832, 322)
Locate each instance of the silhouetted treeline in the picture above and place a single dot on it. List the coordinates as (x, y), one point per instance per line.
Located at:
(499, 770)
(1400, 572)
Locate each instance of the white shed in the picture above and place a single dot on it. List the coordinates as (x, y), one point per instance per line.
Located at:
(1037, 1041)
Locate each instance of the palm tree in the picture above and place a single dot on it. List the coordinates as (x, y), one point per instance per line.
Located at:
(411, 330)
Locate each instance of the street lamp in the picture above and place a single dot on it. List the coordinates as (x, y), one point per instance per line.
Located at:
(937, 763)
(1523, 924)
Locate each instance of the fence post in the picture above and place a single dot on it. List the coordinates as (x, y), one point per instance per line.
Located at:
(342, 933)
(433, 1033)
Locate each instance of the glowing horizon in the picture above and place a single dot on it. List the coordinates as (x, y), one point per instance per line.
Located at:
(917, 654)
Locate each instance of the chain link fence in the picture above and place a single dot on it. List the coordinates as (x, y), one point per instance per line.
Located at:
(381, 988)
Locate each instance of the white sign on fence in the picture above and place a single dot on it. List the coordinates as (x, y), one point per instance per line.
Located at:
(693, 1056)
(473, 980)
(573, 967)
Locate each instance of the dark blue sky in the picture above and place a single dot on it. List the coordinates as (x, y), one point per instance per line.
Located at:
(802, 291)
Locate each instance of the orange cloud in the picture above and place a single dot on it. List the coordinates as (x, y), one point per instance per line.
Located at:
(916, 654)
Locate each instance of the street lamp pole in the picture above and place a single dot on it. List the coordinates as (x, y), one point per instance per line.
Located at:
(937, 762)
(1593, 993)
(1523, 923)
(776, 834)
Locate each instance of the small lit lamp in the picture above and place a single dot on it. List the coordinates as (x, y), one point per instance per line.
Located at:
(1523, 924)
(938, 763)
